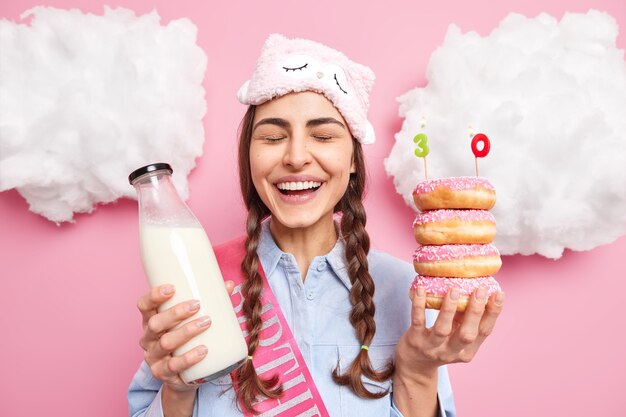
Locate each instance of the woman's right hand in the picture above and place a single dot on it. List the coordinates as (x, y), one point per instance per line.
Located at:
(159, 342)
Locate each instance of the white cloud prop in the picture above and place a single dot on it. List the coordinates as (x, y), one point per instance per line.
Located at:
(85, 99)
(551, 96)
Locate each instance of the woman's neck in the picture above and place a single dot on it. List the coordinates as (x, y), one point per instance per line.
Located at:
(307, 242)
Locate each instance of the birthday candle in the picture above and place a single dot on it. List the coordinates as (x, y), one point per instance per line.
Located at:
(422, 149)
(484, 151)
(480, 138)
(422, 145)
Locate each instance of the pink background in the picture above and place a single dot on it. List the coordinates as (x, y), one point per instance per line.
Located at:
(557, 350)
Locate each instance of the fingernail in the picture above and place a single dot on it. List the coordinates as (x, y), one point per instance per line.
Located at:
(204, 322)
(421, 291)
(202, 350)
(481, 295)
(194, 305)
(499, 300)
(167, 289)
(455, 294)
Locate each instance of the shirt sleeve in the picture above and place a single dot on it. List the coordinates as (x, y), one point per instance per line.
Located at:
(144, 395)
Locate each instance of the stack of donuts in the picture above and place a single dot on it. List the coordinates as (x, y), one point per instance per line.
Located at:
(454, 229)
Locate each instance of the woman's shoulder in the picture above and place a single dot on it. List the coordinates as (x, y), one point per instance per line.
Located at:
(388, 269)
(392, 279)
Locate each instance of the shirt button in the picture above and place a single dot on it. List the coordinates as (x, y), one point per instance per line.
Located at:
(310, 295)
(321, 266)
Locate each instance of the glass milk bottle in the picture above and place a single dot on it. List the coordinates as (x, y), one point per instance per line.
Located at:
(176, 250)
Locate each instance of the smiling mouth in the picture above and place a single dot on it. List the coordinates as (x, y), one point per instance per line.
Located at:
(298, 188)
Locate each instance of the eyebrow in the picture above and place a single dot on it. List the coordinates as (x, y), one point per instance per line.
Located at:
(323, 121)
(310, 123)
(271, 121)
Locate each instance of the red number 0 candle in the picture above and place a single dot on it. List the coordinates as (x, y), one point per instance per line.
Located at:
(480, 153)
(478, 138)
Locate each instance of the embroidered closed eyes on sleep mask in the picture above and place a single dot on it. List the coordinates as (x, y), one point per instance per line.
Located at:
(295, 65)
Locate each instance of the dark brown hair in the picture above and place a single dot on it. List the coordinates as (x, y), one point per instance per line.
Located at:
(357, 243)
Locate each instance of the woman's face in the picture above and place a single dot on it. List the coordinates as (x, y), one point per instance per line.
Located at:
(300, 158)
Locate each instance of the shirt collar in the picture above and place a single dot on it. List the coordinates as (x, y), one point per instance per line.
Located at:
(270, 254)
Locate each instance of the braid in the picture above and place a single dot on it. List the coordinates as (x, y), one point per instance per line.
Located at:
(250, 385)
(362, 293)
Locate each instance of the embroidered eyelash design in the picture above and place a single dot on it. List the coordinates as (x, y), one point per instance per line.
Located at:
(337, 81)
(296, 69)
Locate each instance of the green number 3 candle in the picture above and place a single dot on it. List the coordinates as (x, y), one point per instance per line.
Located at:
(422, 145)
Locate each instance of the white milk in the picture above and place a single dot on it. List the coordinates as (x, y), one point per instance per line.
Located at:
(183, 256)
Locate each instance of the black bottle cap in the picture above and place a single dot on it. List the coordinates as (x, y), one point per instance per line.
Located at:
(148, 168)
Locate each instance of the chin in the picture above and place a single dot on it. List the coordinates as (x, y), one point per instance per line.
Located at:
(298, 220)
(294, 222)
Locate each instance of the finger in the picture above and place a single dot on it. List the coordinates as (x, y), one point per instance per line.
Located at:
(230, 286)
(486, 325)
(162, 322)
(149, 302)
(174, 339)
(467, 332)
(442, 328)
(161, 370)
(492, 312)
(418, 308)
(178, 364)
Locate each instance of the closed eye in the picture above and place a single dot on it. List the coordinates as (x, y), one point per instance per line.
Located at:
(274, 139)
(270, 138)
(287, 69)
(339, 85)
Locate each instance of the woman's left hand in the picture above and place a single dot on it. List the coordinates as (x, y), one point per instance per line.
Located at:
(455, 337)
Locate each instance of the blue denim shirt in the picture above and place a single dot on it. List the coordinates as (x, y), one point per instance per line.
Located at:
(317, 312)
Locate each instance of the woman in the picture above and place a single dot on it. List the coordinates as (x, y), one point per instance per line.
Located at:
(302, 177)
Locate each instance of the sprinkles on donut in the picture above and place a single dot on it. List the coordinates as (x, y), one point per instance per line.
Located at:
(454, 230)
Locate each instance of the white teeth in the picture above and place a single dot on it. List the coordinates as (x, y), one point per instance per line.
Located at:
(300, 185)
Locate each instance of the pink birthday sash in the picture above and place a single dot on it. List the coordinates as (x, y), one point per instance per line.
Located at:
(278, 352)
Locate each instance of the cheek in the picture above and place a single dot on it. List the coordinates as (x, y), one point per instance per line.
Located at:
(256, 160)
(256, 170)
(341, 168)
(342, 163)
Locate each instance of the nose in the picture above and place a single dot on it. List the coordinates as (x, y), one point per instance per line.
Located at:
(297, 154)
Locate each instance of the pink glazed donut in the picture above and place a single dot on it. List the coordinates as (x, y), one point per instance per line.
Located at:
(457, 261)
(442, 227)
(454, 193)
(438, 287)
